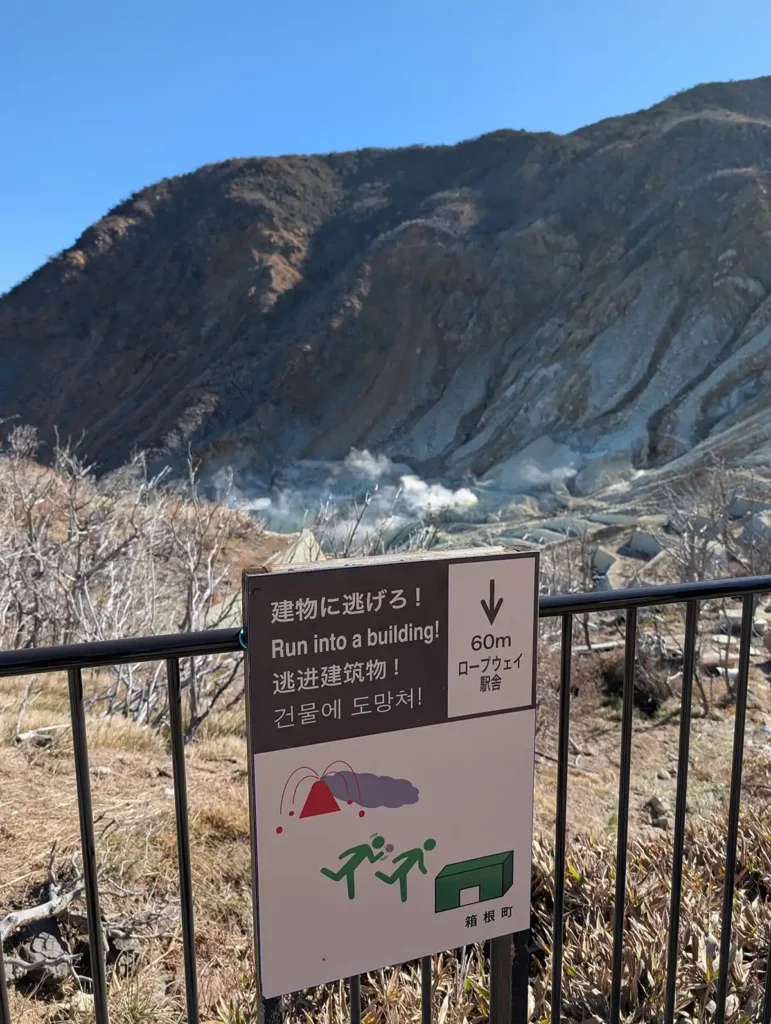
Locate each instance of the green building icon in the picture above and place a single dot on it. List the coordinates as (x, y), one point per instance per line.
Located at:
(473, 881)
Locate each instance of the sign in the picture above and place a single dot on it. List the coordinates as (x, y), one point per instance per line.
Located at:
(392, 721)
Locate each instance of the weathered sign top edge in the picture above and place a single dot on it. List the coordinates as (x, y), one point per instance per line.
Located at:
(448, 555)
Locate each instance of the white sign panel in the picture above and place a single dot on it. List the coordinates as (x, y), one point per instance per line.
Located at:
(393, 760)
(491, 637)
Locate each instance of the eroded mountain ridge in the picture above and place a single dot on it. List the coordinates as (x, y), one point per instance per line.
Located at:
(520, 304)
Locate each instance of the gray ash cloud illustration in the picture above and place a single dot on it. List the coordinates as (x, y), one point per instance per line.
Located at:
(372, 790)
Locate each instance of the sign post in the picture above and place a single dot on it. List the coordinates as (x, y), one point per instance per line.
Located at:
(391, 707)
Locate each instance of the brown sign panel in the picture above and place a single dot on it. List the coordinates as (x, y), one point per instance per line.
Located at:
(348, 650)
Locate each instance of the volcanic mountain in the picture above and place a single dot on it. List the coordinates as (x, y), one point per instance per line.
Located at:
(597, 301)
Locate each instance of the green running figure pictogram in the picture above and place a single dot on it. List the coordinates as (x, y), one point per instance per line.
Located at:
(408, 861)
(357, 855)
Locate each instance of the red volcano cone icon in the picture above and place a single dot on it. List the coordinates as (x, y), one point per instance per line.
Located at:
(319, 801)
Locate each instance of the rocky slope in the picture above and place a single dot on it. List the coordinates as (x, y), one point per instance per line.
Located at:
(520, 308)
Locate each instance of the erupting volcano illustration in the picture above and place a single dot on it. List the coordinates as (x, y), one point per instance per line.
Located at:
(319, 800)
(312, 794)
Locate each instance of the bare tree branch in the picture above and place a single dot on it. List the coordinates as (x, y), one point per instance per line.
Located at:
(23, 705)
(41, 962)
(54, 907)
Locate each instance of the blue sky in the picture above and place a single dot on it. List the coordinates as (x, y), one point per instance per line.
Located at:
(101, 97)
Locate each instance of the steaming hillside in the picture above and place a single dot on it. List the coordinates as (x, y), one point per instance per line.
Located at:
(521, 309)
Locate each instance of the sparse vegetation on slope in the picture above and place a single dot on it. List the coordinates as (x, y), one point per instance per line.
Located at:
(131, 555)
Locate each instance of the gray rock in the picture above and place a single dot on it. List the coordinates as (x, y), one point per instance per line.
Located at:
(758, 529)
(663, 775)
(729, 674)
(537, 534)
(740, 506)
(124, 949)
(42, 941)
(656, 806)
(642, 545)
(602, 560)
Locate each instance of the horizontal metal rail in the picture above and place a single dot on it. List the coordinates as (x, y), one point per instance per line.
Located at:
(102, 653)
(637, 597)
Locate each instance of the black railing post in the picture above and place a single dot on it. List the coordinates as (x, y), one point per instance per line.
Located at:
(509, 978)
(500, 981)
(560, 834)
(623, 813)
(683, 752)
(426, 989)
(270, 1011)
(88, 847)
(183, 839)
(740, 715)
(356, 999)
(520, 978)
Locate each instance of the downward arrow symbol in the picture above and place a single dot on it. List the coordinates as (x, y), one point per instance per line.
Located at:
(491, 610)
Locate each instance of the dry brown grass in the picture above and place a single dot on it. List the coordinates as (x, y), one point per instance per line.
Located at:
(136, 836)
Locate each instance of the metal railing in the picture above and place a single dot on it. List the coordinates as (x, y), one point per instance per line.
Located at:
(509, 956)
